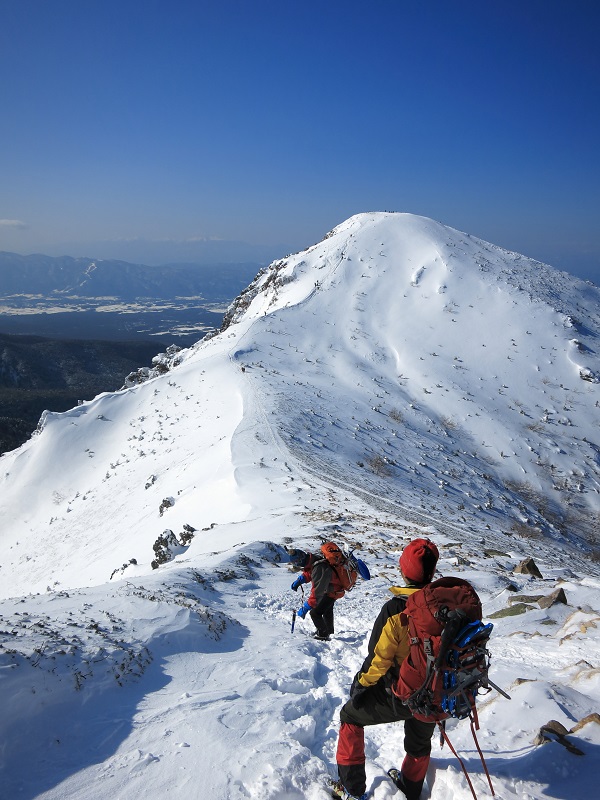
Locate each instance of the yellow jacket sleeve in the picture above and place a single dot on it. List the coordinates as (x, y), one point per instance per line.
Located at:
(389, 643)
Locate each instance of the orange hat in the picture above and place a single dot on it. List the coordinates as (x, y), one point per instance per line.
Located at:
(418, 560)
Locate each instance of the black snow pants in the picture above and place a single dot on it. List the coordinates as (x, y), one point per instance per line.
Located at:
(379, 706)
(322, 616)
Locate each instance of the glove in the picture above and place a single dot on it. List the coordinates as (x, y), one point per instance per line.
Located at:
(357, 692)
(302, 612)
(298, 582)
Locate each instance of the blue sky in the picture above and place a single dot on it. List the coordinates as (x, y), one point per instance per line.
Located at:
(271, 122)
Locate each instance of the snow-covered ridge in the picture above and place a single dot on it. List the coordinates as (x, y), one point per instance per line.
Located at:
(399, 356)
(483, 354)
(397, 378)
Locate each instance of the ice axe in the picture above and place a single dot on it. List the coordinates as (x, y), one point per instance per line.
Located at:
(294, 611)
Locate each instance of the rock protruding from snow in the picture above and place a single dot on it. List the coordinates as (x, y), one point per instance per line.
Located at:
(161, 364)
(528, 567)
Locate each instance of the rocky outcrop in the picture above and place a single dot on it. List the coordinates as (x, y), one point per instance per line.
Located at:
(554, 731)
(528, 567)
(168, 502)
(161, 364)
(167, 546)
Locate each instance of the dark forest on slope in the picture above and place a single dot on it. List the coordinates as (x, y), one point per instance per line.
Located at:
(38, 374)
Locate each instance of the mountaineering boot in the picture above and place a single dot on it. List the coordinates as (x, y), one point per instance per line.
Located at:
(411, 789)
(321, 637)
(339, 793)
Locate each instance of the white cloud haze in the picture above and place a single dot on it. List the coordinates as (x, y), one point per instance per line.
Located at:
(12, 223)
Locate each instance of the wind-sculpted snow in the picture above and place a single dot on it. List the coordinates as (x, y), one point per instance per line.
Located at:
(251, 711)
(399, 378)
(438, 361)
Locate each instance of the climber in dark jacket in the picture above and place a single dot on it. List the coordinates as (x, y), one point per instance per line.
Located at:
(371, 699)
(326, 589)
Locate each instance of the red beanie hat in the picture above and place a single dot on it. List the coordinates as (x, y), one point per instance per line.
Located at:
(418, 560)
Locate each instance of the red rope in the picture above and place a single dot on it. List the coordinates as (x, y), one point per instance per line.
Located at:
(460, 761)
(487, 774)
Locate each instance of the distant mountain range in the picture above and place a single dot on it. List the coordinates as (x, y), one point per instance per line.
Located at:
(100, 320)
(156, 252)
(65, 277)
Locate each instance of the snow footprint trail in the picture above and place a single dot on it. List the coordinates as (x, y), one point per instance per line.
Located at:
(229, 724)
(301, 697)
(256, 715)
(293, 738)
(268, 726)
(318, 682)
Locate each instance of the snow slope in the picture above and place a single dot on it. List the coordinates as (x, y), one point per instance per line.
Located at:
(397, 378)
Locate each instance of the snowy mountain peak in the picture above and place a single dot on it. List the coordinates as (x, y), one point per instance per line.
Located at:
(403, 251)
(489, 358)
(397, 356)
(399, 378)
